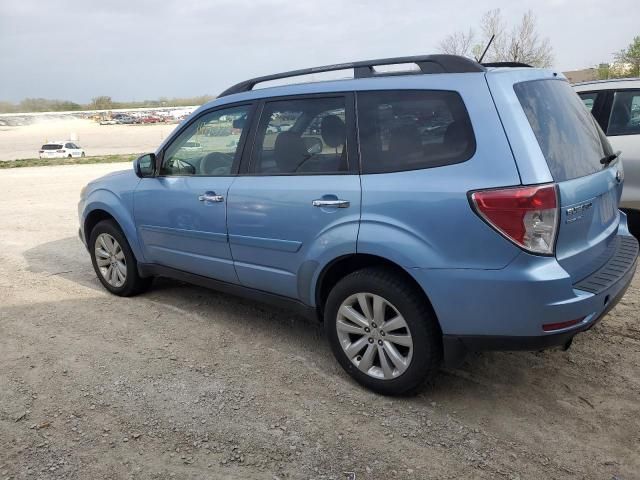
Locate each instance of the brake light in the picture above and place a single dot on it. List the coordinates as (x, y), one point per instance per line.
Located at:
(528, 216)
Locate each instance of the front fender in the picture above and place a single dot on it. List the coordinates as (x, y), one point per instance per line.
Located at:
(120, 209)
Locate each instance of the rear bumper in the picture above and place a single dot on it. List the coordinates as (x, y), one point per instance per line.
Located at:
(506, 309)
(455, 345)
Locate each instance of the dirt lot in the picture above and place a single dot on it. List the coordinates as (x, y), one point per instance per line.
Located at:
(187, 383)
(96, 139)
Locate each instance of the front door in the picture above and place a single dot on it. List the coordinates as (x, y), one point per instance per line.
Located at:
(181, 213)
(299, 202)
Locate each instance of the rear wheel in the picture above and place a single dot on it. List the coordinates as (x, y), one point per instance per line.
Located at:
(82, 154)
(382, 331)
(114, 262)
(69, 156)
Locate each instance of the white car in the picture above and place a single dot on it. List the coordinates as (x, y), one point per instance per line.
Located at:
(615, 104)
(63, 149)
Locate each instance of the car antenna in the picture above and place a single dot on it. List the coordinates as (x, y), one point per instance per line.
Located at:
(479, 60)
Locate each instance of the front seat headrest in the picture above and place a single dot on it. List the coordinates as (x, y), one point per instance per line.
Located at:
(333, 131)
(289, 151)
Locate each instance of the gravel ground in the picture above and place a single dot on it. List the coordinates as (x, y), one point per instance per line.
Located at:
(187, 383)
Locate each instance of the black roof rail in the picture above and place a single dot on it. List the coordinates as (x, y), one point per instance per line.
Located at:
(364, 69)
(506, 64)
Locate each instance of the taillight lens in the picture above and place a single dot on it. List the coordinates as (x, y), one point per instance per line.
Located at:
(528, 216)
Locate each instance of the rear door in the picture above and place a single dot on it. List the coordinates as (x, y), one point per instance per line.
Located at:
(556, 139)
(298, 203)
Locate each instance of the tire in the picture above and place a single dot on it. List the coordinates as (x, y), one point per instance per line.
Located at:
(132, 283)
(69, 156)
(82, 154)
(422, 358)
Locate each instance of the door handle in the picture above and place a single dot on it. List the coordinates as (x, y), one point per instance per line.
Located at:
(331, 203)
(211, 197)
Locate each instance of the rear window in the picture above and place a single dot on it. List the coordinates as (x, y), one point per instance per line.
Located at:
(570, 139)
(51, 146)
(410, 130)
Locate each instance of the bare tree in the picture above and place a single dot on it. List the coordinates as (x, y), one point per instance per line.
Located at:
(458, 43)
(520, 44)
(524, 44)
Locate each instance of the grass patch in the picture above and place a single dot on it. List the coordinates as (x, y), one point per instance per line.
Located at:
(42, 162)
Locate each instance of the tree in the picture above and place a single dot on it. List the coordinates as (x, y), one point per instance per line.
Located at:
(458, 43)
(630, 56)
(102, 103)
(604, 72)
(522, 43)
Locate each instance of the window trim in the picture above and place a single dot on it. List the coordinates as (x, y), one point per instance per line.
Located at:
(235, 166)
(611, 98)
(413, 90)
(246, 167)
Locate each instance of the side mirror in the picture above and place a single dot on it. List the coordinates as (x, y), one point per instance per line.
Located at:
(313, 145)
(145, 165)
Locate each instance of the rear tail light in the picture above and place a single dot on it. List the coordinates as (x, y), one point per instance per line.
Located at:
(41, 151)
(60, 151)
(550, 327)
(528, 216)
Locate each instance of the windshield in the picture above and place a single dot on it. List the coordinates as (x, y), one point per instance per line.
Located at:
(571, 141)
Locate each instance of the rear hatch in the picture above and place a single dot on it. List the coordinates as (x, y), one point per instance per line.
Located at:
(51, 149)
(557, 140)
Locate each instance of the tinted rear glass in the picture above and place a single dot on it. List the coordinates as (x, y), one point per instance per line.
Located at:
(409, 130)
(51, 146)
(571, 141)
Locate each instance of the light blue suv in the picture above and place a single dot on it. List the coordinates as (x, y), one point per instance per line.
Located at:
(419, 214)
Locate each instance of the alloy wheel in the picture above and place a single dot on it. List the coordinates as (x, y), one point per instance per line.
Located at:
(374, 336)
(111, 260)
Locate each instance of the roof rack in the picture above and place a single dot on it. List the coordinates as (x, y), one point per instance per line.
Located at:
(365, 69)
(506, 64)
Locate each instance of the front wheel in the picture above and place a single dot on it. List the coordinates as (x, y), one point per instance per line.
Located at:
(114, 262)
(382, 331)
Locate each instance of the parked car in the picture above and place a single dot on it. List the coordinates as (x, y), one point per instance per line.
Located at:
(124, 120)
(61, 149)
(151, 119)
(616, 106)
(412, 242)
(108, 122)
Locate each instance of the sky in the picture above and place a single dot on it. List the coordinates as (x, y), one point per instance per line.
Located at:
(142, 49)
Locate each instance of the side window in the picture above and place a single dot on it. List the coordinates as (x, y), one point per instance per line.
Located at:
(68, 145)
(208, 146)
(301, 137)
(625, 113)
(409, 130)
(589, 99)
